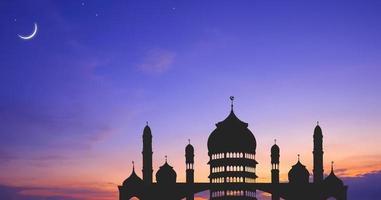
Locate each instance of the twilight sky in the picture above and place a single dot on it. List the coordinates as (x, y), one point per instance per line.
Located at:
(74, 99)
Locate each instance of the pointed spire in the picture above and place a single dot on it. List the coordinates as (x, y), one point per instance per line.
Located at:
(298, 157)
(189, 141)
(166, 158)
(332, 166)
(318, 131)
(274, 141)
(133, 166)
(232, 102)
(147, 130)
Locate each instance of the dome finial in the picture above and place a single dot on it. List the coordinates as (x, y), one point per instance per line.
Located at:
(147, 123)
(232, 102)
(189, 141)
(133, 166)
(166, 158)
(274, 141)
(332, 166)
(317, 123)
(298, 157)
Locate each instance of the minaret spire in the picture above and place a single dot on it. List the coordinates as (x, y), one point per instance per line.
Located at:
(332, 166)
(189, 167)
(147, 154)
(275, 154)
(232, 102)
(298, 157)
(318, 170)
(133, 166)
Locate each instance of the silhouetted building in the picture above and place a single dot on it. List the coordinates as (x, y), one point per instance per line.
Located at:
(189, 167)
(132, 182)
(318, 155)
(298, 174)
(232, 157)
(147, 155)
(275, 154)
(166, 175)
(231, 150)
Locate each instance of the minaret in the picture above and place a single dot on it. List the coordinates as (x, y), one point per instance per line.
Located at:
(275, 154)
(318, 154)
(189, 162)
(147, 155)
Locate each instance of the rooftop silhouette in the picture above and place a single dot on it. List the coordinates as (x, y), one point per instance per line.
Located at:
(232, 162)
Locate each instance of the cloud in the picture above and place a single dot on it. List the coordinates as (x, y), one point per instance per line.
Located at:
(102, 134)
(365, 187)
(359, 165)
(6, 156)
(55, 193)
(157, 60)
(15, 193)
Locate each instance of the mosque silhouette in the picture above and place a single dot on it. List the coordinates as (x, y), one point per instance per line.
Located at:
(232, 174)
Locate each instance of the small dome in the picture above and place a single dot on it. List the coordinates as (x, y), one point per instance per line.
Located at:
(166, 174)
(147, 131)
(275, 154)
(318, 132)
(332, 179)
(133, 179)
(275, 149)
(232, 135)
(298, 174)
(189, 150)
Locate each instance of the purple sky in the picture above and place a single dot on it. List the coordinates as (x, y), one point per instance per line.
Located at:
(75, 98)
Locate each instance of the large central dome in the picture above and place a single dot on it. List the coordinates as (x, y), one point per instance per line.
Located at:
(232, 135)
(232, 158)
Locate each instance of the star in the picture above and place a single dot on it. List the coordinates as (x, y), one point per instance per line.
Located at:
(83, 3)
(174, 8)
(96, 14)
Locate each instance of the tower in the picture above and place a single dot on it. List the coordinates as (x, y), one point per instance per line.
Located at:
(231, 149)
(318, 154)
(189, 162)
(275, 154)
(147, 155)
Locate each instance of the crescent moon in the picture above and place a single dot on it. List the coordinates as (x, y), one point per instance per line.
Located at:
(28, 37)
